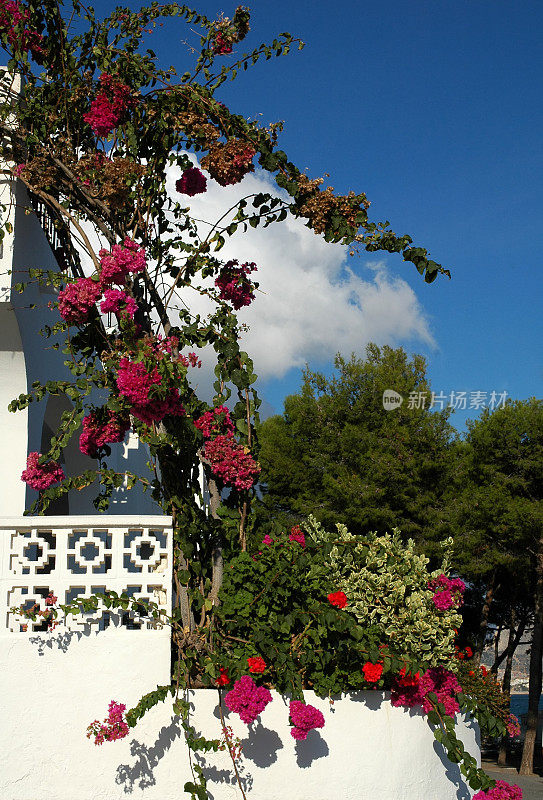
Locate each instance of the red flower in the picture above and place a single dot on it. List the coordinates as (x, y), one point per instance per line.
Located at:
(223, 678)
(338, 599)
(256, 665)
(372, 672)
(469, 652)
(296, 535)
(407, 679)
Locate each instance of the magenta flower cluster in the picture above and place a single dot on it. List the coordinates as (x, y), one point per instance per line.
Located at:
(234, 285)
(170, 345)
(513, 726)
(112, 728)
(247, 699)
(122, 260)
(213, 423)
(135, 382)
(76, 300)
(304, 718)
(413, 692)
(297, 535)
(221, 46)
(102, 429)
(191, 182)
(448, 592)
(231, 462)
(109, 106)
(13, 20)
(41, 476)
(118, 302)
(501, 791)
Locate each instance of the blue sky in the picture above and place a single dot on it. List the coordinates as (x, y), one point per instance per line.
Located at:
(435, 110)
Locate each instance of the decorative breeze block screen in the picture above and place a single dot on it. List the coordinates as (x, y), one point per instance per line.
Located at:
(79, 556)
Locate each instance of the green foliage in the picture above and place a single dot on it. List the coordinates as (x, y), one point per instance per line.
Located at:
(336, 453)
(274, 604)
(386, 583)
(445, 734)
(493, 510)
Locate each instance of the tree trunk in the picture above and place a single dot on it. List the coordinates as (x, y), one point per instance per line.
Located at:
(536, 658)
(217, 556)
(506, 684)
(516, 641)
(169, 470)
(483, 625)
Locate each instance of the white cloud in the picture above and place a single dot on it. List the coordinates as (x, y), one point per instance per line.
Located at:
(312, 303)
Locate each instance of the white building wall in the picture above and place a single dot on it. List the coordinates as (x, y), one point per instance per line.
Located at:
(367, 749)
(13, 380)
(30, 357)
(26, 356)
(54, 684)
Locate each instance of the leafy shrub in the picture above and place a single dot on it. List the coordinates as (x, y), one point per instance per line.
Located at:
(280, 603)
(387, 586)
(274, 604)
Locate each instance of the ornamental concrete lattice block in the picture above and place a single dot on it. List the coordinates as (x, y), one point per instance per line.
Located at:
(73, 557)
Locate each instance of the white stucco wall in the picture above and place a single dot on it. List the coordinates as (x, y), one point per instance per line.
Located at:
(13, 427)
(27, 356)
(54, 687)
(54, 684)
(13, 378)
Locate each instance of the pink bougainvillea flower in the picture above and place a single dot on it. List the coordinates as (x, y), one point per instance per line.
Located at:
(221, 46)
(372, 672)
(118, 302)
(51, 599)
(109, 106)
(76, 300)
(338, 599)
(408, 692)
(213, 423)
(13, 20)
(234, 285)
(119, 262)
(501, 791)
(247, 699)
(100, 429)
(41, 476)
(112, 728)
(257, 665)
(134, 381)
(513, 726)
(448, 592)
(304, 719)
(154, 410)
(267, 540)
(191, 182)
(231, 462)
